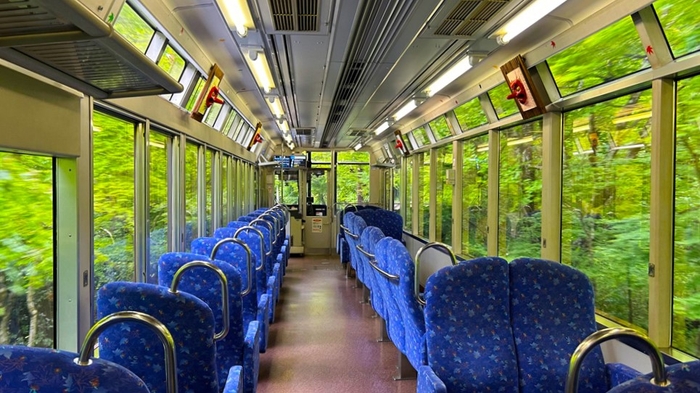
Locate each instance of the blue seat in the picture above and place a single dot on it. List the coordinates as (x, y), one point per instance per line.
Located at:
(42, 370)
(389, 222)
(357, 225)
(389, 289)
(241, 346)
(684, 378)
(190, 321)
(369, 239)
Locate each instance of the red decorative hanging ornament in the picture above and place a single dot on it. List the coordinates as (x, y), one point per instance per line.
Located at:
(399, 144)
(517, 91)
(213, 97)
(258, 139)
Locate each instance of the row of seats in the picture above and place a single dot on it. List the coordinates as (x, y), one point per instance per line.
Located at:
(213, 305)
(484, 324)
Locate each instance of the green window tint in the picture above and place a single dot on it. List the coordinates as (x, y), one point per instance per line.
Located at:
(225, 216)
(195, 94)
(353, 156)
(605, 56)
(133, 28)
(445, 190)
(321, 157)
(421, 137)
(423, 162)
(212, 114)
(503, 106)
(171, 62)
(475, 179)
(440, 128)
(408, 190)
(209, 158)
(397, 190)
(471, 115)
(26, 250)
(191, 193)
(686, 274)
(605, 202)
(113, 198)
(520, 191)
(158, 202)
(319, 186)
(680, 19)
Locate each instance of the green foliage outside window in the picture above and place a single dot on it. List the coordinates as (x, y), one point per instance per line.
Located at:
(287, 187)
(680, 21)
(475, 178)
(212, 114)
(171, 62)
(208, 159)
(408, 190)
(319, 184)
(423, 162)
(353, 156)
(191, 193)
(132, 27)
(397, 190)
(158, 202)
(225, 214)
(113, 195)
(440, 128)
(686, 268)
(26, 250)
(421, 136)
(470, 114)
(503, 106)
(445, 190)
(605, 202)
(607, 55)
(520, 191)
(195, 94)
(321, 157)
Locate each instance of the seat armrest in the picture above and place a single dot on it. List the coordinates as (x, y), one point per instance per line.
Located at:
(428, 382)
(251, 356)
(618, 373)
(234, 381)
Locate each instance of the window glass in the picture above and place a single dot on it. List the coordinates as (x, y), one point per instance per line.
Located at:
(321, 157)
(352, 184)
(225, 217)
(386, 200)
(686, 275)
(195, 94)
(503, 106)
(287, 187)
(133, 28)
(609, 54)
(423, 162)
(158, 202)
(353, 156)
(26, 250)
(230, 120)
(209, 158)
(440, 128)
(191, 193)
(397, 190)
(471, 114)
(680, 26)
(113, 196)
(445, 189)
(212, 114)
(475, 178)
(408, 190)
(408, 138)
(421, 136)
(319, 186)
(605, 202)
(171, 62)
(520, 191)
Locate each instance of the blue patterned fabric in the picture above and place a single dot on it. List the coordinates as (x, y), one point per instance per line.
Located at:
(552, 311)
(369, 239)
(469, 337)
(389, 290)
(189, 320)
(357, 226)
(205, 284)
(428, 382)
(349, 224)
(618, 373)
(389, 222)
(684, 378)
(42, 370)
(234, 383)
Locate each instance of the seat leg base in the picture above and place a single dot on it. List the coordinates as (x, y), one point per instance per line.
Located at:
(405, 370)
(383, 336)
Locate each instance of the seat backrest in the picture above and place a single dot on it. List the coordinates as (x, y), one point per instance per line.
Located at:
(357, 226)
(189, 320)
(389, 222)
(27, 369)
(469, 338)
(389, 289)
(369, 239)
(552, 311)
(204, 283)
(349, 223)
(684, 378)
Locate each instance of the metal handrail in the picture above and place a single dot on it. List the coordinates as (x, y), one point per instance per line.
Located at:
(249, 259)
(224, 291)
(384, 273)
(275, 219)
(601, 336)
(349, 232)
(267, 225)
(416, 283)
(262, 242)
(365, 253)
(161, 331)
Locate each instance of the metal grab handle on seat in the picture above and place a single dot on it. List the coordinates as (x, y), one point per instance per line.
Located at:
(365, 253)
(416, 283)
(350, 204)
(275, 220)
(161, 331)
(268, 225)
(349, 233)
(224, 291)
(601, 336)
(262, 242)
(249, 259)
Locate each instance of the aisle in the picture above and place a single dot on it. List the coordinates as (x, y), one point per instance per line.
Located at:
(323, 339)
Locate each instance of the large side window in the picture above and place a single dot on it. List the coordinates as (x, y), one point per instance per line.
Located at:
(423, 162)
(605, 202)
(520, 191)
(445, 190)
(134, 29)
(26, 250)
(475, 178)
(408, 190)
(680, 24)
(352, 180)
(113, 190)
(158, 147)
(191, 193)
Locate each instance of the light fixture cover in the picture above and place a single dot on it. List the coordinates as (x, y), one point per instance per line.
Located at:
(535, 11)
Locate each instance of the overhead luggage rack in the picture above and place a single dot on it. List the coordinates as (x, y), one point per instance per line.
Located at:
(66, 41)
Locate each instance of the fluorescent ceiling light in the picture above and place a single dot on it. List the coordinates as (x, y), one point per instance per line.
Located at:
(382, 128)
(261, 70)
(284, 127)
(275, 107)
(449, 76)
(405, 110)
(537, 10)
(358, 146)
(238, 14)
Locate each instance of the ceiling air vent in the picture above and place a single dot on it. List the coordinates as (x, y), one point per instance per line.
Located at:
(65, 41)
(357, 132)
(468, 17)
(295, 15)
(304, 131)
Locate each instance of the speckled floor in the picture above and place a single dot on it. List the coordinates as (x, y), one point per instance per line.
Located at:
(323, 339)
